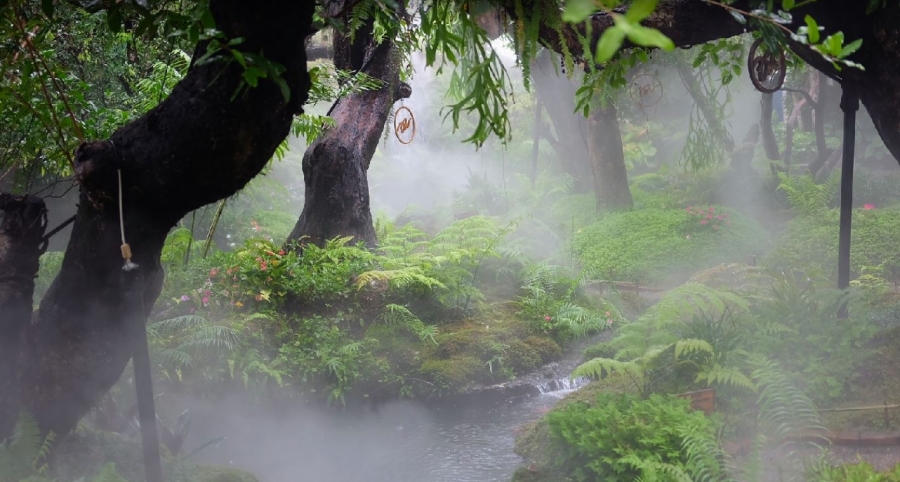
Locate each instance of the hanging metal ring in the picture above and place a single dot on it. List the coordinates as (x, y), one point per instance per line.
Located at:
(767, 71)
(401, 127)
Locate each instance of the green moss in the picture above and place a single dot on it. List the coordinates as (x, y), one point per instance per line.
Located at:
(651, 245)
(492, 347)
(454, 373)
(546, 349)
(522, 357)
(208, 473)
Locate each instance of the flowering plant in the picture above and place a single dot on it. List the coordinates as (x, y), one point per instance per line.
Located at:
(707, 217)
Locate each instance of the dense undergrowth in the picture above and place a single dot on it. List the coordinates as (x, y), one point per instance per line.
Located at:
(440, 306)
(767, 338)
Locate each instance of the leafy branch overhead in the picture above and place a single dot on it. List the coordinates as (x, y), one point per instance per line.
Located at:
(624, 26)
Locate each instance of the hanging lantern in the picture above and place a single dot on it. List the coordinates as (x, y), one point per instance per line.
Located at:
(767, 69)
(404, 125)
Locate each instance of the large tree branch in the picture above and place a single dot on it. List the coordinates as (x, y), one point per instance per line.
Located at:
(692, 22)
(200, 145)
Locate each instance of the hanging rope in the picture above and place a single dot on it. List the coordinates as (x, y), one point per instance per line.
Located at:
(126, 249)
(132, 284)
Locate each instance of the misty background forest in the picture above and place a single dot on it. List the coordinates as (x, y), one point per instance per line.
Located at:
(449, 241)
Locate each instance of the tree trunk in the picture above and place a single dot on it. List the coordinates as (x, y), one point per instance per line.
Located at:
(608, 158)
(557, 94)
(335, 166)
(22, 224)
(199, 145)
(770, 144)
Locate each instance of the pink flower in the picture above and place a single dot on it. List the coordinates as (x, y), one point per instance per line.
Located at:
(207, 293)
(703, 221)
(709, 216)
(185, 298)
(547, 318)
(213, 272)
(868, 207)
(205, 300)
(720, 217)
(712, 209)
(263, 266)
(281, 252)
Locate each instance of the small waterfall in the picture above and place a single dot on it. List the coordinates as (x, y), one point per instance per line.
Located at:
(562, 386)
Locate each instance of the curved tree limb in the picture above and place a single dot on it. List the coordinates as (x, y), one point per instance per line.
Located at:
(199, 145)
(692, 22)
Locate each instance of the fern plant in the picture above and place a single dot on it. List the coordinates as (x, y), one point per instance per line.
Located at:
(399, 316)
(181, 341)
(806, 195)
(23, 454)
(643, 343)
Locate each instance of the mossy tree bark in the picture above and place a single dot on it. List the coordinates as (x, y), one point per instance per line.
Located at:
(335, 166)
(199, 145)
(608, 158)
(557, 96)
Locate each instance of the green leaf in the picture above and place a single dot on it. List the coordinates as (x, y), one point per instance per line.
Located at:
(640, 9)
(240, 58)
(609, 44)
(578, 10)
(787, 5)
(737, 16)
(813, 30)
(650, 37)
(285, 89)
(850, 48)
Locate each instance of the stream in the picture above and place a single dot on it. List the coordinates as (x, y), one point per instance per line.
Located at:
(402, 441)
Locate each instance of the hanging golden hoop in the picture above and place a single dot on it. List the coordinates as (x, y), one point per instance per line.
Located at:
(767, 70)
(403, 125)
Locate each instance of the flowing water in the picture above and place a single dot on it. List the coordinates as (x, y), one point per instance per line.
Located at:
(401, 442)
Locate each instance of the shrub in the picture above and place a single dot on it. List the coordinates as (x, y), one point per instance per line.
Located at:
(653, 244)
(604, 349)
(621, 438)
(811, 243)
(859, 472)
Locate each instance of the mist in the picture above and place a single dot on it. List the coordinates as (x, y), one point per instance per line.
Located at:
(539, 282)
